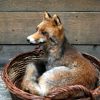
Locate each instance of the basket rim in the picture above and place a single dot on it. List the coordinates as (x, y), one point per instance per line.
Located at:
(20, 93)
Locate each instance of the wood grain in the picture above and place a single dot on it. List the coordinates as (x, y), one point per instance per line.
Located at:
(49, 5)
(80, 28)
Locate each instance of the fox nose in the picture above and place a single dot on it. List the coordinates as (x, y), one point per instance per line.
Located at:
(31, 40)
(28, 40)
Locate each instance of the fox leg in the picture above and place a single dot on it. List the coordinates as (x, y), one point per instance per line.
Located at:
(29, 82)
(31, 74)
(45, 82)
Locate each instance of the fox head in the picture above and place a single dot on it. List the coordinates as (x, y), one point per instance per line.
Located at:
(50, 30)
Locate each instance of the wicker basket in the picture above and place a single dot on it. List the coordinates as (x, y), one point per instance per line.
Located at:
(14, 72)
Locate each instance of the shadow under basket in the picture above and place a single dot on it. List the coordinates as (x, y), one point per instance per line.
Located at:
(15, 70)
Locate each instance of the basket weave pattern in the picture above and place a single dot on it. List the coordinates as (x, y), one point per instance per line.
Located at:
(15, 70)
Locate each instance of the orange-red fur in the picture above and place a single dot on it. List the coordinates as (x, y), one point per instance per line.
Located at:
(65, 65)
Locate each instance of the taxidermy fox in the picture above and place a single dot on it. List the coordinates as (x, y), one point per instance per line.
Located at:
(65, 65)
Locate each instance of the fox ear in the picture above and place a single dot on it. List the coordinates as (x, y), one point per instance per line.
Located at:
(46, 16)
(57, 20)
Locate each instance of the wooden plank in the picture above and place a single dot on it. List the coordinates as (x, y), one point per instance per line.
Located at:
(49, 5)
(80, 27)
(92, 50)
(8, 52)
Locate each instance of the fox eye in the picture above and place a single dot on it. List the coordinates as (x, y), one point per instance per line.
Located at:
(44, 33)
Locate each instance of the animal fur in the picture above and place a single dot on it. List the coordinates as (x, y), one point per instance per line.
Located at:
(65, 65)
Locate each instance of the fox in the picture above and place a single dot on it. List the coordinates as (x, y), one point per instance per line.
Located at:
(65, 64)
